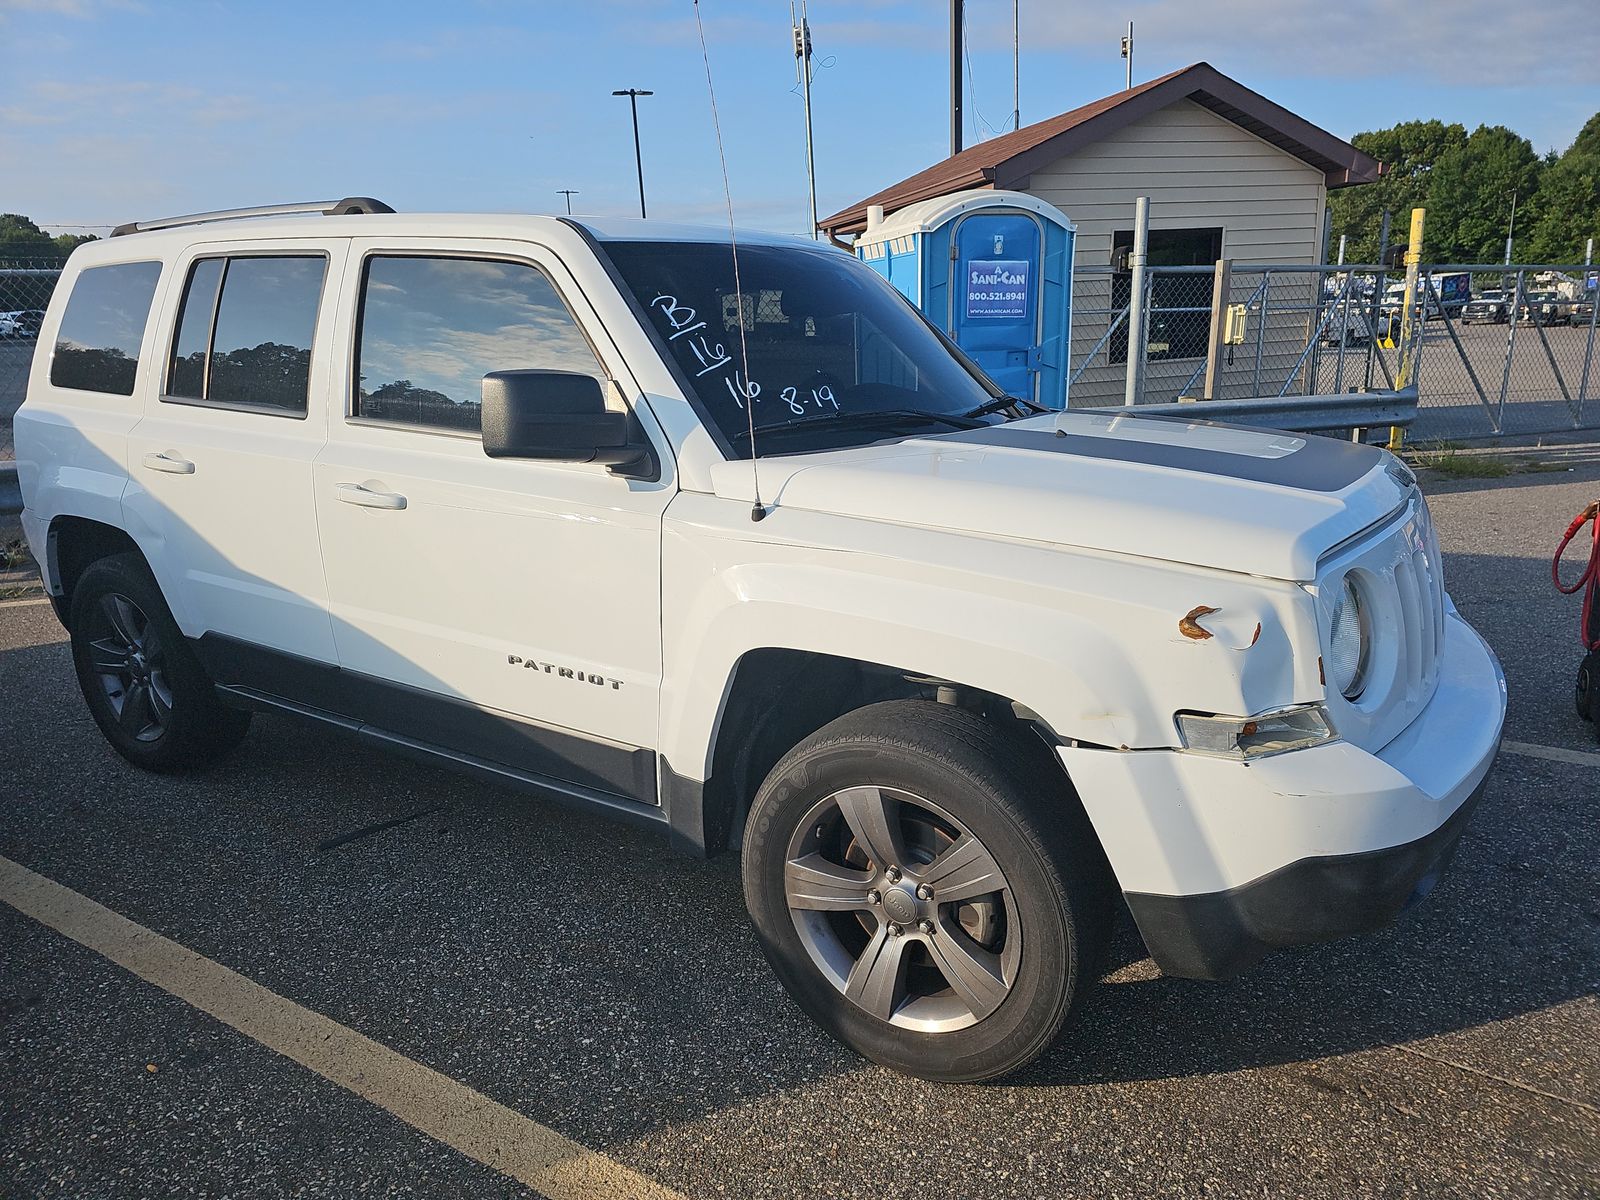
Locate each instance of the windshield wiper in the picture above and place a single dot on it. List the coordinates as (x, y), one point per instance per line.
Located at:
(1001, 403)
(863, 417)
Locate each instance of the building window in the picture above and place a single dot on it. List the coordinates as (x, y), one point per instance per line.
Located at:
(1179, 323)
(97, 349)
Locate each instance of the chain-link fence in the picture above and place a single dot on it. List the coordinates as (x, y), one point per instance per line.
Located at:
(1498, 350)
(26, 285)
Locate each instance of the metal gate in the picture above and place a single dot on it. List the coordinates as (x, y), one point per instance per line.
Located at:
(1499, 350)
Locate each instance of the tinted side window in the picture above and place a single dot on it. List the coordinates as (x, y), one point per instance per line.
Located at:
(432, 328)
(261, 347)
(188, 375)
(97, 349)
(250, 344)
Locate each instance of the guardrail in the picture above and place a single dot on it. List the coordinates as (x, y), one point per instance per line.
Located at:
(1296, 414)
(10, 491)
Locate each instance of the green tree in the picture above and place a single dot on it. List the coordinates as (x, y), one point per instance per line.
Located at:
(1409, 152)
(1470, 191)
(1588, 139)
(1567, 206)
(21, 238)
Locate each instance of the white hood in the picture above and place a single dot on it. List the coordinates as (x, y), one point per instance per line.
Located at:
(1220, 496)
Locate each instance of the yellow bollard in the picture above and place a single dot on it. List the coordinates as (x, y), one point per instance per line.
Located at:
(1408, 330)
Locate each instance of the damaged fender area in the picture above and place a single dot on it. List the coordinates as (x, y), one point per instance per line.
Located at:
(1188, 827)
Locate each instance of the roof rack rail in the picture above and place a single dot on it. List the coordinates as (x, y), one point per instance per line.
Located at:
(349, 206)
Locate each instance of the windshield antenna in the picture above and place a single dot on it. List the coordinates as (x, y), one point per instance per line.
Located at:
(758, 510)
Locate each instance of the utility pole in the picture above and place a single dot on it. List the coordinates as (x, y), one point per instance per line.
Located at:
(1016, 65)
(569, 193)
(1127, 53)
(1511, 227)
(957, 17)
(802, 54)
(633, 95)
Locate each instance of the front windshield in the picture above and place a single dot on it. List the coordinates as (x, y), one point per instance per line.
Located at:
(837, 356)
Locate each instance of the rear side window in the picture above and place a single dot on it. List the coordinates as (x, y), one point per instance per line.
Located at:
(245, 331)
(97, 349)
(432, 328)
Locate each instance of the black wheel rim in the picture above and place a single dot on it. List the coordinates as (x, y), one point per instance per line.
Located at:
(129, 662)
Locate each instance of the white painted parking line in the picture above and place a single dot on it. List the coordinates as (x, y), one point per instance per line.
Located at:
(24, 603)
(1582, 758)
(442, 1108)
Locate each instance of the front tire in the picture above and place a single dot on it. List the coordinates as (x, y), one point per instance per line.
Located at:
(144, 686)
(928, 889)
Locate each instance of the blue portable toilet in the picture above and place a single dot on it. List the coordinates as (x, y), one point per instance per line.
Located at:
(993, 269)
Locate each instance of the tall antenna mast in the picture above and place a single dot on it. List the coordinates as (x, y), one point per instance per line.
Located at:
(1127, 53)
(802, 54)
(757, 510)
(1016, 65)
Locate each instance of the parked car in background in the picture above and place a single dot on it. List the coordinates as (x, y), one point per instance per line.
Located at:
(28, 322)
(1486, 308)
(1427, 300)
(9, 325)
(1544, 308)
(1347, 323)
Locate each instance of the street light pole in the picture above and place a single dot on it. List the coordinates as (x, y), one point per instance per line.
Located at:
(569, 193)
(633, 95)
(1511, 227)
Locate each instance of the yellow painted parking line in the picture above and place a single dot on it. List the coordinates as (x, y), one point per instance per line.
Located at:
(25, 603)
(1582, 758)
(441, 1107)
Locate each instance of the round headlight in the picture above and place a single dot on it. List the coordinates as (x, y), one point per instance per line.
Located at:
(1348, 643)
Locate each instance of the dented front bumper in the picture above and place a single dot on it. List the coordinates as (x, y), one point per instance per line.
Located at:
(1222, 861)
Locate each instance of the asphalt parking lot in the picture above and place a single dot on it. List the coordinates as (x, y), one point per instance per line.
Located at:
(590, 984)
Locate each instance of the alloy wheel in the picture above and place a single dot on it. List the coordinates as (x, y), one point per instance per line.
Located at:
(128, 658)
(903, 909)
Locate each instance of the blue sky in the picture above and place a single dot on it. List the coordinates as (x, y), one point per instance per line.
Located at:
(116, 109)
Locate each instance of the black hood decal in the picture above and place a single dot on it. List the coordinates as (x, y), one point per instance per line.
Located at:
(1321, 465)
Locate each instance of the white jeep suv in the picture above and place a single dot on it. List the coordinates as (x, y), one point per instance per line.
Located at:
(757, 557)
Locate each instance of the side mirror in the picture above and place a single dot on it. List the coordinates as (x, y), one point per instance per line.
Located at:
(556, 416)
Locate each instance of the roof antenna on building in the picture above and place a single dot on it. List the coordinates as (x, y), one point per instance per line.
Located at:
(757, 510)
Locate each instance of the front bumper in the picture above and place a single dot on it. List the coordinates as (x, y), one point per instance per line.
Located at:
(1222, 861)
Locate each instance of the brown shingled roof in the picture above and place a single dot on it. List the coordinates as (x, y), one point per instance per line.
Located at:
(1007, 161)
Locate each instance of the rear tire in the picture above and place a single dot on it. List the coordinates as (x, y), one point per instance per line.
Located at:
(962, 961)
(144, 686)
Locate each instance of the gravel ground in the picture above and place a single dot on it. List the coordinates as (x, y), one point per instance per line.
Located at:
(568, 967)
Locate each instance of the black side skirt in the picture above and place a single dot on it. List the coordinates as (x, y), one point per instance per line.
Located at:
(497, 747)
